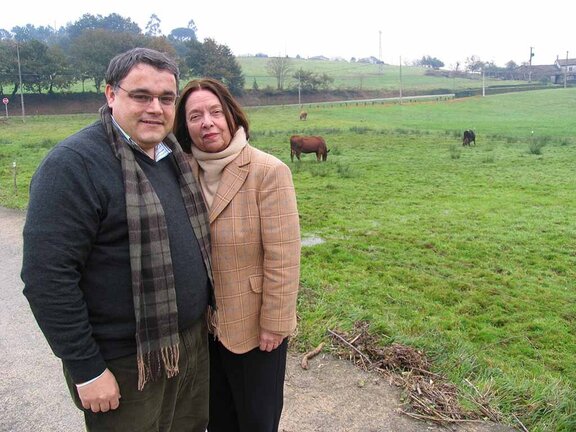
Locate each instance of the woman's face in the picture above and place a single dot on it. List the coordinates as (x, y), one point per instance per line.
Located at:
(206, 122)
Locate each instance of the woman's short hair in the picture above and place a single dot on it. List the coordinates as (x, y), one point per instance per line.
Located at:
(233, 112)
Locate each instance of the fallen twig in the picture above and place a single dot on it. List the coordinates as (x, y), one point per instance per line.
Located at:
(447, 420)
(349, 345)
(309, 355)
(521, 425)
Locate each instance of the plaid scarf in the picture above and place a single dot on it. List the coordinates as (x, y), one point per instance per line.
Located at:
(153, 289)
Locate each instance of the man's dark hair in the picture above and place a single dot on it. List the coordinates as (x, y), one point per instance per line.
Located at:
(121, 65)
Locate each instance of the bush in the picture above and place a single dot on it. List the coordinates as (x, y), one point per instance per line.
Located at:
(455, 151)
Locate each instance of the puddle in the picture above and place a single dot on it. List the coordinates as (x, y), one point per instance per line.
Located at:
(312, 241)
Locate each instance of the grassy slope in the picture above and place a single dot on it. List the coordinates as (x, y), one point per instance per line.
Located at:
(360, 76)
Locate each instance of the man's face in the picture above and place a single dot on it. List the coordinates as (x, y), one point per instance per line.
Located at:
(143, 104)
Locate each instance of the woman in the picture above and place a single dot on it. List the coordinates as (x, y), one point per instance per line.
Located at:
(255, 233)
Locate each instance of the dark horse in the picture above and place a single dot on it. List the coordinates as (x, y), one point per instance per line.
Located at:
(469, 138)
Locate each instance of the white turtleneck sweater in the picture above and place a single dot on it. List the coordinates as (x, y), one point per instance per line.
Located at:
(212, 164)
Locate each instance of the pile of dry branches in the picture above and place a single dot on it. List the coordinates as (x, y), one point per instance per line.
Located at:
(428, 395)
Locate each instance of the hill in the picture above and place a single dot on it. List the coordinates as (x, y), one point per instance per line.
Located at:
(365, 77)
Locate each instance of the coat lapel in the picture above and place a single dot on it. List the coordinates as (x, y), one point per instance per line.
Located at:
(233, 178)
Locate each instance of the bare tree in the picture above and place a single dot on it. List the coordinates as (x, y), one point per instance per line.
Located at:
(153, 26)
(279, 67)
(474, 64)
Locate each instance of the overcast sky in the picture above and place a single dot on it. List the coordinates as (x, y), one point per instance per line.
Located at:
(450, 30)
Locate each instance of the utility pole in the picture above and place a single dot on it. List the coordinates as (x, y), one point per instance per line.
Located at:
(566, 70)
(400, 80)
(380, 66)
(530, 65)
(299, 86)
(20, 80)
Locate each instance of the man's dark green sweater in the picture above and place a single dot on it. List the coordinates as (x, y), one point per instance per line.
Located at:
(76, 265)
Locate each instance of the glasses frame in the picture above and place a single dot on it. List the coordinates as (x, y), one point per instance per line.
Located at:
(147, 98)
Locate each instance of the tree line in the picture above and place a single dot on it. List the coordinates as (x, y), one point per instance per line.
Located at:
(45, 60)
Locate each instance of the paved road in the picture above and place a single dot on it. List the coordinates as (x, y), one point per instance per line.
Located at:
(331, 396)
(33, 396)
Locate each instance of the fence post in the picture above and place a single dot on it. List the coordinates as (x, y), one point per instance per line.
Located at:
(14, 175)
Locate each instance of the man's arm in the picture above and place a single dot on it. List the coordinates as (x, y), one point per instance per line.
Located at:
(61, 225)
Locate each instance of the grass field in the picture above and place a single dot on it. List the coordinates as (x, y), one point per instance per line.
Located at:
(362, 76)
(465, 253)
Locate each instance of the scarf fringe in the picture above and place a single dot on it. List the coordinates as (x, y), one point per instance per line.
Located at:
(212, 321)
(143, 372)
(169, 357)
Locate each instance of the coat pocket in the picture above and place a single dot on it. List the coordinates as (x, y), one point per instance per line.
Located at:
(256, 283)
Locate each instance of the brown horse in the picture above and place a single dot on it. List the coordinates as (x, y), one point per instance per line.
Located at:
(308, 144)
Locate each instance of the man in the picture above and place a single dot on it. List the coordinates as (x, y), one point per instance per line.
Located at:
(116, 261)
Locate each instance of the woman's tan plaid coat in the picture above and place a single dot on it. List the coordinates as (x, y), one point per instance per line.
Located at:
(255, 232)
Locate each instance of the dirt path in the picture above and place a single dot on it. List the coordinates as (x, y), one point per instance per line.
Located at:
(332, 395)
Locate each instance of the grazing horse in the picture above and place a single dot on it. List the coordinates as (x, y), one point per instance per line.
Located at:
(308, 144)
(469, 138)
(303, 115)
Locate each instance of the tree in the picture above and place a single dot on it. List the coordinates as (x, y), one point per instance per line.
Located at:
(5, 34)
(279, 68)
(59, 70)
(119, 24)
(490, 69)
(8, 65)
(182, 34)
(162, 44)
(159, 43)
(213, 60)
(93, 50)
(474, 64)
(113, 23)
(30, 32)
(309, 81)
(431, 62)
(35, 65)
(185, 34)
(511, 67)
(44, 67)
(182, 37)
(153, 26)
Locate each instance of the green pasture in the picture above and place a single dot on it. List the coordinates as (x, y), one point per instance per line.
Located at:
(362, 76)
(467, 253)
(537, 114)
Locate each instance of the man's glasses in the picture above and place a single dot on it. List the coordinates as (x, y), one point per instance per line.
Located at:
(146, 98)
